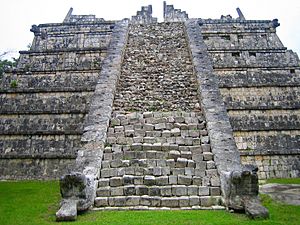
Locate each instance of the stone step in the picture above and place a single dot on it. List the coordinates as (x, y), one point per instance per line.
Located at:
(207, 178)
(156, 187)
(157, 171)
(179, 140)
(144, 147)
(196, 161)
(196, 154)
(158, 201)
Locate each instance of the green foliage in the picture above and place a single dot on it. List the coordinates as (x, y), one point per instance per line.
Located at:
(35, 202)
(6, 64)
(14, 84)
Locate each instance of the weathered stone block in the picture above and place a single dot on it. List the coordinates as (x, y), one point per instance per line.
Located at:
(179, 190)
(101, 201)
(162, 180)
(203, 190)
(149, 180)
(194, 200)
(170, 202)
(129, 190)
(183, 201)
(132, 200)
(103, 191)
(116, 181)
(103, 182)
(173, 179)
(193, 190)
(120, 201)
(154, 191)
(166, 191)
(215, 191)
(181, 163)
(117, 191)
(142, 190)
(185, 180)
(207, 156)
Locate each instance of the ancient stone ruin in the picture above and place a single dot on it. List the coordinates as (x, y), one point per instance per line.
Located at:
(136, 114)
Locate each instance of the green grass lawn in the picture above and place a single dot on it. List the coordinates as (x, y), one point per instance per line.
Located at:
(284, 181)
(35, 202)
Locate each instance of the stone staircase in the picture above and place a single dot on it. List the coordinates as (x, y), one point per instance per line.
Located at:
(158, 159)
(157, 152)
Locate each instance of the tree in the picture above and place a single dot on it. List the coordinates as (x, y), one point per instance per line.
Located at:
(6, 64)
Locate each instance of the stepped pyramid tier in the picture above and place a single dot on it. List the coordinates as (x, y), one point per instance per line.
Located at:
(135, 114)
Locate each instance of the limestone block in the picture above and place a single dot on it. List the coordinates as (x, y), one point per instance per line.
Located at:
(157, 171)
(148, 127)
(161, 162)
(173, 179)
(103, 182)
(170, 202)
(175, 132)
(186, 154)
(154, 191)
(210, 165)
(181, 163)
(197, 181)
(149, 180)
(191, 164)
(199, 172)
(132, 200)
(193, 190)
(179, 190)
(166, 191)
(166, 133)
(120, 201)
(206, 147)
(203, 190)
(197, 157)
(67, 211)
(116, 163)
(129, 190)
(136, 146)
(101, 201)
(174, 154)
(183, 201)
(207, 156)
(215, 191)
(178, 171)
(194, 200)
(189, 171)
(138, 180)
(160, 126)
(185, 180)
(170, 163)
(128, 179)
(162, 180)
(207, 201)
(142, 190)
(116, 191)
(103, 191)
(116, 181)
(215, 181)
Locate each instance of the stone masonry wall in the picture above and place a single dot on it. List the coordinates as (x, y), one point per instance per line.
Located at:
(45, 99)
(259, 81)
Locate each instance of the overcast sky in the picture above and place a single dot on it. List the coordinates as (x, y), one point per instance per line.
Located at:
(17, 16)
